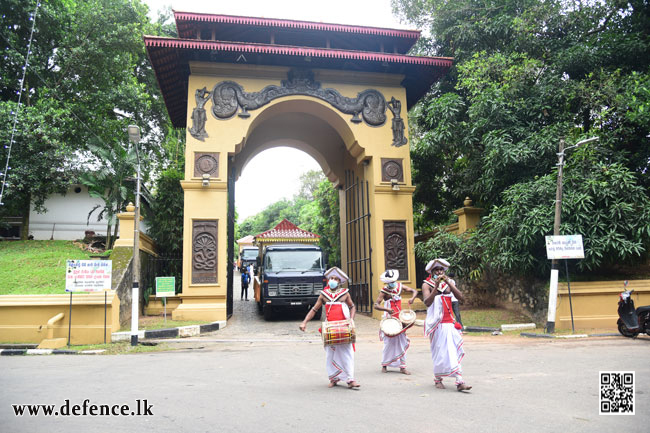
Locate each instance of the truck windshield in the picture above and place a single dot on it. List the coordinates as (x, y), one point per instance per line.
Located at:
(249, 254)
(298, 261)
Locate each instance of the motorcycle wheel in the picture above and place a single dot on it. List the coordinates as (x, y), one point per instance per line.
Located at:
(625, 332)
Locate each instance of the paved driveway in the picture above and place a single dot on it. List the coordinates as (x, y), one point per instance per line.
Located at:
(256, 376)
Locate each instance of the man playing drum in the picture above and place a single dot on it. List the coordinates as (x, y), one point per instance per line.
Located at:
(390, 302)
(338, 307)
(440, 326)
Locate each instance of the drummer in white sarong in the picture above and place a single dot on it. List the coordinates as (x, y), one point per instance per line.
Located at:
(338, 306)
(440, 326)
(390, 302)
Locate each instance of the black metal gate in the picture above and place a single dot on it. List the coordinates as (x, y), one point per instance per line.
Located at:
(359, 250)
(160, 266)
(230, 236)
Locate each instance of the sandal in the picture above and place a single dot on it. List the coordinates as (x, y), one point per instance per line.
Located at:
(463, 387)
(353, 385)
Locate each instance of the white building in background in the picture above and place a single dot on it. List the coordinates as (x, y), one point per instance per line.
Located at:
(67, 216)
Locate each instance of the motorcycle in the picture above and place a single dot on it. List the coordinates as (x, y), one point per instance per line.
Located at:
(632, 321)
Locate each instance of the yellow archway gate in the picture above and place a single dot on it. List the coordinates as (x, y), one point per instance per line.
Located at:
(340, 93)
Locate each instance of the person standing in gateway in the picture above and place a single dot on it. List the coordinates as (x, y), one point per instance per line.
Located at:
(245, 279)
(338, 306)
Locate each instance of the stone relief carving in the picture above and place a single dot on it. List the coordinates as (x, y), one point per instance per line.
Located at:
(228, 97)
(206, 163)
(391, 169)
(395, 106)
(204, 252)
(199, 116)
(395, 247)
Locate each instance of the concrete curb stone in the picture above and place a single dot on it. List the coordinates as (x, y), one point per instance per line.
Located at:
(14, 352)
(183, 332)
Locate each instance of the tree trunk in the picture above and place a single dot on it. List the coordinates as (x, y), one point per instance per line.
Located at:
(117, 225)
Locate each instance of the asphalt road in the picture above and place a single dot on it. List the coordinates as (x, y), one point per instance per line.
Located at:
(256, 376)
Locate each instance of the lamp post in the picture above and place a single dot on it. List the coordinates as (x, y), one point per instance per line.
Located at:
(552, 297)
(134, 137)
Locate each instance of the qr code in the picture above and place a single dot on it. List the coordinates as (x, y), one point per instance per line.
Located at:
(617, 393)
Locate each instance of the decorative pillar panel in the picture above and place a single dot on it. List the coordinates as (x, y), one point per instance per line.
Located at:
(395, 251)
(206, 163)
(204, 252)
(391, 168)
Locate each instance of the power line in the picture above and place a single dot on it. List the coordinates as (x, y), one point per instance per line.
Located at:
(20, 94)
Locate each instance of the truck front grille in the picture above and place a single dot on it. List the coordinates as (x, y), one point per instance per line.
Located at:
(299, 289)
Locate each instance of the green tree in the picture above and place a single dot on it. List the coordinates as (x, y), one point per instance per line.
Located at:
(167, 212)
(88, 78)
(527, 74)
(110, 182)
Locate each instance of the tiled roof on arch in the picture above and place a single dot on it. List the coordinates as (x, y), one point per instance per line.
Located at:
(286, 231)
(228, 39)
(188, 22)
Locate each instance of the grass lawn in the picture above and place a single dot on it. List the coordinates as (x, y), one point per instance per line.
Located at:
(36, 267)
(121, 348)
(491, 317)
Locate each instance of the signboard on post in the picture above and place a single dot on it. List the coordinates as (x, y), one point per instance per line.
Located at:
(165, 286)
(564, 247)
(88, 275)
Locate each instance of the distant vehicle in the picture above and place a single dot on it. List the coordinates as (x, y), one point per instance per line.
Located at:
(248, 257)
(291, 276)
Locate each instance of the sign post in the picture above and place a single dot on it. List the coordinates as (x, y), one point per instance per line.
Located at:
(165, 286)
(87, 276)
(564, 247)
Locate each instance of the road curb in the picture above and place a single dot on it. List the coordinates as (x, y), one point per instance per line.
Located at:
(167, 333)
(567, 336)
(19, 352)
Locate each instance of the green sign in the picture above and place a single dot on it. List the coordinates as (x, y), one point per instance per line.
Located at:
(165, 286)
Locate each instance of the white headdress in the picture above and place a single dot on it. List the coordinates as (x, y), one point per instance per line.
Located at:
(389, 276)
(437, 263)
(336, 272)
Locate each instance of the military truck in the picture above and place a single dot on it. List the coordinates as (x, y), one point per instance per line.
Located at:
(247, 257)
(290, 277)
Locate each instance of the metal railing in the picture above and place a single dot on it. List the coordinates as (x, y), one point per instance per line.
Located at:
(358, 247)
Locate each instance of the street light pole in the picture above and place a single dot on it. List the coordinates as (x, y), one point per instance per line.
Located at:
(134, 137)
(555, 271)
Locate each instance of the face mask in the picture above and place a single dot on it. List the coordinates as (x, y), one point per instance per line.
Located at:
(333, 284)
(392, 285)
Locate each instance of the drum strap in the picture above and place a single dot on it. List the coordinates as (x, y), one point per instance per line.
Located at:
(456, 324)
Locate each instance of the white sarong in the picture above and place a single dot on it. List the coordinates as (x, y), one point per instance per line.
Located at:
(340, 362)
(340, 357)
(446, 343)
(394, 353)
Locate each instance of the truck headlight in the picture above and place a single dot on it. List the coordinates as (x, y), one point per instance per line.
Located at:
(273, 289)
(317, 290)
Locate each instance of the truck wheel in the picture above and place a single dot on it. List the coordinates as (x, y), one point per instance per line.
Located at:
(268, 312)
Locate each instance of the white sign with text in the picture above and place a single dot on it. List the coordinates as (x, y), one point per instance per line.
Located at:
(564, 247)
(88, 275)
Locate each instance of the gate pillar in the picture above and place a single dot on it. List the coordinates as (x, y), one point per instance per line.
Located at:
(204, 243)
(377, 232)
